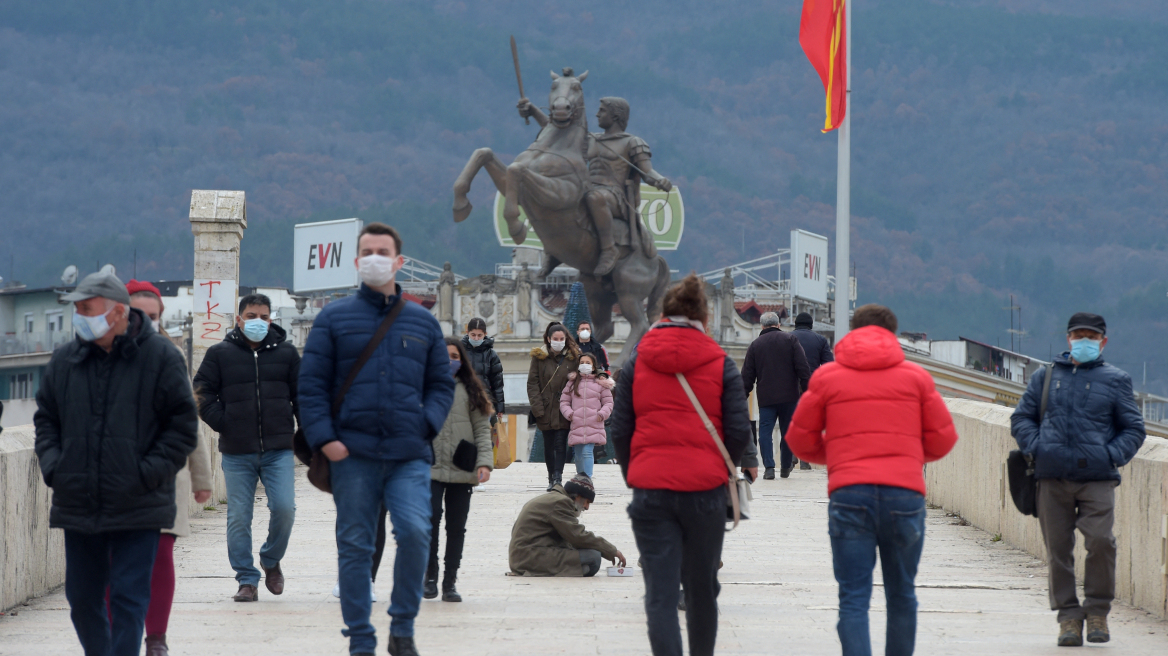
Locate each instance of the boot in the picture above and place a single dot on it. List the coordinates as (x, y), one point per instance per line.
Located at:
(430, 588)
(606, 263)
(1097, 629)
(551, 482)
(1070, 633)
(402, 646)
(449, 593)
(156, 645)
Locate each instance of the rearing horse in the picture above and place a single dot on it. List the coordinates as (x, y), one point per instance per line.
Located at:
(549, 181)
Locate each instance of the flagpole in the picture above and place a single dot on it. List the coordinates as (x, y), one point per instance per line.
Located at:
(843, 199)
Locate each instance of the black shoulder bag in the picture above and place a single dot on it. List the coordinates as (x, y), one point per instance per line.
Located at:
(318, 463)
(1020, 468)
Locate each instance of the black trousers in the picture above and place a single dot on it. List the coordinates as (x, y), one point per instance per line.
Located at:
(457, 497)
(555, 450)
(679, 536)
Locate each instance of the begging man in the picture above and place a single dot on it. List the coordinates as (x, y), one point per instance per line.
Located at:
(549, 540)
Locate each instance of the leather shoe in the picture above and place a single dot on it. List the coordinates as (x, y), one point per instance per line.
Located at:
(156, 645)
(247, 593)
(274, 579)
(402, 646)
(769, 474)
(784, 472)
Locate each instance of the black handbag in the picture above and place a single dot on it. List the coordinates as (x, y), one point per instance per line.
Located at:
(465, 455)
(1020, 468)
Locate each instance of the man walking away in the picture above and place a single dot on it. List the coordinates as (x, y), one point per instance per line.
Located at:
(884, 420)
(247, 393)
(776, 360)
(549, 540)
(115, 421)
(815, 347)
(1090, 429)
(382, 363)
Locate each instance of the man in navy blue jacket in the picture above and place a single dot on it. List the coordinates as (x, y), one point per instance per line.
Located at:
(1091, 428)
(379, 441)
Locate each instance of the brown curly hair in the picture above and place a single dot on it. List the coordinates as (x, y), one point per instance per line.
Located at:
(687, 298)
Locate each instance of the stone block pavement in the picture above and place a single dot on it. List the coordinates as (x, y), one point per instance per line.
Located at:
(778, 596)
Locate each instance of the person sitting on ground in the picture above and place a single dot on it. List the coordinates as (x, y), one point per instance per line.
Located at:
(549, 540)
(586, 402)
(874, 419)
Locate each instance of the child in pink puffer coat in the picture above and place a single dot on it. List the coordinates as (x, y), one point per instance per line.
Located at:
(586, 402)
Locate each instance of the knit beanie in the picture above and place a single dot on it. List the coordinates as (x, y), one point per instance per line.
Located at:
(581, 486)
(804, 319)
(135, 286)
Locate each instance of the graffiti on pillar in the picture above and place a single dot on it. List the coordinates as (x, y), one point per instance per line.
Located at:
(213, 305)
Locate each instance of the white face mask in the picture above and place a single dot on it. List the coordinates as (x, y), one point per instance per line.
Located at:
(376, 270)
(557, 345)
(585, 369)
(90, 328)
(157, 326)
(585, 334)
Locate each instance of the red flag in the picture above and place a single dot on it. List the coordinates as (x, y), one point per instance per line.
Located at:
(824, 39)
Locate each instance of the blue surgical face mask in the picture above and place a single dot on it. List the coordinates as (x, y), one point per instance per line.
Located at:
(255, 329)
(475, 342)
(455, 365)
(90, 328)
(1085, 350)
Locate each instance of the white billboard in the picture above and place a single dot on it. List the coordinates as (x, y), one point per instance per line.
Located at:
(323, 255)
(809, 266)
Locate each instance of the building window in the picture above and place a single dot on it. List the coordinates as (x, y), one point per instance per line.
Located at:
(28, 322)
(21, 386)
(55, 321)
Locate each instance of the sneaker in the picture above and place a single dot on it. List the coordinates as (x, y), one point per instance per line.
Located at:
(1097, 629)
(769, 475)
(337, 590)
(1070, 633)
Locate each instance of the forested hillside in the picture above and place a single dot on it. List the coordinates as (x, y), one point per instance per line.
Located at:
(1000, 146)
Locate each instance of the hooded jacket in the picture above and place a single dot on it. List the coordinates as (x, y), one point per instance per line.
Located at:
(463, 424)
(402, 395)
(113, 429)
(1092, 425)
(658, 437)
(588, 408)
(872, 417)
(776, 360)
(249, 396)
(488, 367)
(546, 378)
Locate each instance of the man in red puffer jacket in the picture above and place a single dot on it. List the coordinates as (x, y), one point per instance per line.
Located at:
(875, 420)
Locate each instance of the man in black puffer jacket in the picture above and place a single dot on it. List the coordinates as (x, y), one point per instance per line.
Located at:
(247, 393)
(115, 422)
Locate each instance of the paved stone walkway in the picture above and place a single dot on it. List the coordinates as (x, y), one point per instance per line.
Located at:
(778, 594)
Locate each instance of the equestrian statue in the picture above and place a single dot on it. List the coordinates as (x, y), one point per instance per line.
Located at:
(581, 192)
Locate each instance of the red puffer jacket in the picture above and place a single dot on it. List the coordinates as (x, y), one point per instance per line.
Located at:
(658, 437)
(872, 417)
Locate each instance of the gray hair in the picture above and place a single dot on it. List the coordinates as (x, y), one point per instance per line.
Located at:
(769, 319)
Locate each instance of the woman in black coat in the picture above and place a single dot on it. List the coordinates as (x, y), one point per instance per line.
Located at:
(481, 352)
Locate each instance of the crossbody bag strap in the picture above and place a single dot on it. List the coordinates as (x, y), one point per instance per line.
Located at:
(382, 330)
(1045, 392)
(732, 482)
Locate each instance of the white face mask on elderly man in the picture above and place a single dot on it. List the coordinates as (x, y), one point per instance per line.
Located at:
(91, 328)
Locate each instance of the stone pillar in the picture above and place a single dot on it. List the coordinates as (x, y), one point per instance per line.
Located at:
(218, 219)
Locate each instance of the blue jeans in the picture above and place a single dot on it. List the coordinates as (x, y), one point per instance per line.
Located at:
(584, 459)
(767, 414)
(862, 519)
(123, 561)
(241, 471)
(360, 487)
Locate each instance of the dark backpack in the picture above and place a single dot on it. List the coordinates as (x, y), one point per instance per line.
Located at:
(1020, 469)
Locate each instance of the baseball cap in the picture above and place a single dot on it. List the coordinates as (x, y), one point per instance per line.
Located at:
(101, 284)
(1087, 321)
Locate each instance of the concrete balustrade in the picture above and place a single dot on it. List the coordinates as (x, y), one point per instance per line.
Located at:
(971, 481)
(32, 557)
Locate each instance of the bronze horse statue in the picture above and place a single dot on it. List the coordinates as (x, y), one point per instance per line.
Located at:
(549, 181)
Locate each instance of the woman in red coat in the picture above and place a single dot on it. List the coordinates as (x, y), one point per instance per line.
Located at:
(677, 472)
(874, 419)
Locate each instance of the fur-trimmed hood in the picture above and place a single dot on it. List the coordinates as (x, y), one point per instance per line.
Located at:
(541, 352)
(605, 381)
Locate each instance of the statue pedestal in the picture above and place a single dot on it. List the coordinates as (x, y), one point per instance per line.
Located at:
(447, 327)
(523, 329)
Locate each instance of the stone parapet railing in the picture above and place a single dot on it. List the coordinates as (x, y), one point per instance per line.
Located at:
(971, 481)
(32, 557)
